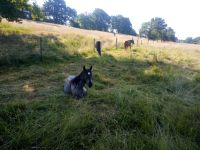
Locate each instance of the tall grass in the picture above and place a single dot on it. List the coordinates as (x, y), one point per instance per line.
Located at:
(143, 98)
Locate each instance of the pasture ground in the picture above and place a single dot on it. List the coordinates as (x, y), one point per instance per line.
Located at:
(144, 98)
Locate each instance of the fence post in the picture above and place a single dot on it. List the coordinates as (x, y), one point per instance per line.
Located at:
(94, 44)
(116, 43)
(41, 49)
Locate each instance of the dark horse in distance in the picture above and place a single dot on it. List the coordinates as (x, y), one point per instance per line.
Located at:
(75, 85)
(128, 43)
(98, 47)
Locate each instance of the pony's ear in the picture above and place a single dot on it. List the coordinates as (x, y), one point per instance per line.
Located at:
(90, 67)
(84, 68)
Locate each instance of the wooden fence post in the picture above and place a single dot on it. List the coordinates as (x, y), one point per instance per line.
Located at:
(41, 49)
(94, 44)
(116, 43)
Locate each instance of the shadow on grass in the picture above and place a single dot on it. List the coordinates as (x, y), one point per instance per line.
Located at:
(17, 50)
(132, 104)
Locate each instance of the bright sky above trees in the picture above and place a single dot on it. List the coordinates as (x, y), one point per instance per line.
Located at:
(181, 15)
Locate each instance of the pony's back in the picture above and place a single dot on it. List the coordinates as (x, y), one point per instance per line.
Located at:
(67, 84)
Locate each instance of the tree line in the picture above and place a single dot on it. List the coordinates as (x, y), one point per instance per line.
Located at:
(191, 40)
(56, 11)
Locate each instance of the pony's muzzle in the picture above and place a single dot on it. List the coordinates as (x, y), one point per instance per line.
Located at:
(90, 84)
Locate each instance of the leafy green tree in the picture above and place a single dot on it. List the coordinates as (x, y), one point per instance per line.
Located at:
(156, 29)
(145, 29)
(189, 40)
(86, 21)
(170, 34)
(74, 23)
(122, 24)
(158, 26)
(56, 11)
(196, 40)
(12, 10)
(72, 14)
(192, 40)
(154, 34)
(36, 12)
(101, 19)
(115, 23)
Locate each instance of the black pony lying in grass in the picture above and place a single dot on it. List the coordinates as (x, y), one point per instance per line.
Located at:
(75, 85)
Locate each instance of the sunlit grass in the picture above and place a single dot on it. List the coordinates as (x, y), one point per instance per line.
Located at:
(143, 98)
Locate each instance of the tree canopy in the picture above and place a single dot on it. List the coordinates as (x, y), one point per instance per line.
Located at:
(57, 12)
(86, 21)
(12, 10)
(122, 24)
(157, 29)
(101, 19)
(192, 40)
(36, 12)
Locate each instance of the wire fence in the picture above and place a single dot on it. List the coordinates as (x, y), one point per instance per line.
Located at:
(16, 49)
(20, 48)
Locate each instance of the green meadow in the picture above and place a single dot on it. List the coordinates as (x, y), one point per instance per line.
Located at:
(146, 97)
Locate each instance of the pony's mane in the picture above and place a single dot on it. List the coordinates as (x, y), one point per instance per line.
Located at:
(77, 79)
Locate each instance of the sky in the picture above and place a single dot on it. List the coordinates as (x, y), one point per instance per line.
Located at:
(181, 15)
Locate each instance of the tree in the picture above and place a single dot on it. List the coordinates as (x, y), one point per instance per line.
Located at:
(12, 10)
(156, 29)
(145, 29)
(72, 14)
(86, 21)
(36, 12)
(192, 40)
(74, 23)
(101, 19)
(189, 40)
(56, 11)
(158, 26)
(170, 34)
(122, 24)
(196, 40)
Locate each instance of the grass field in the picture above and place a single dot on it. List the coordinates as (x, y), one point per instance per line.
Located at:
(144, 98)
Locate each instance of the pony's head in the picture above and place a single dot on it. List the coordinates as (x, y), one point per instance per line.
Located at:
(132, 41)
(87, 76)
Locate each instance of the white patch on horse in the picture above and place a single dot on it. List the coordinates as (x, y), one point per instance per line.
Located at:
(89, 73)
(67, 85)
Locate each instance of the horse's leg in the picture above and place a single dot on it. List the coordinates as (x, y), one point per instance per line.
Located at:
(78, 93)
(74, 90)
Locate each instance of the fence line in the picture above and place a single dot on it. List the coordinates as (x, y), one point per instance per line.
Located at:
(19, 48)
(16, 48)
(41, 57)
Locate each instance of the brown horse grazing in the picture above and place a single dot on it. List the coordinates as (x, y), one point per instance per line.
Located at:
(128, 43)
